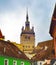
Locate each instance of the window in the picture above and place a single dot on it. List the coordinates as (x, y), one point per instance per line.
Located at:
(29, 37)
(14, 62)
(22, 63)
(25, 37)
(26, 46)
(32, 46)
(6, 62)
(29, 46)
(23, 46)
(40, 63)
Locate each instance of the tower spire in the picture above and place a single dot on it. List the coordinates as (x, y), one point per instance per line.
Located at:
(27, 23)
(27, 15)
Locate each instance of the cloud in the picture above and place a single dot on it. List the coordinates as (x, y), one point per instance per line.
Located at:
(13, 14)
(11, 24)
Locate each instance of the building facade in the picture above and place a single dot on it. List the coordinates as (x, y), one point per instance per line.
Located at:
(27, 37)
(11, 55)
(5, 60)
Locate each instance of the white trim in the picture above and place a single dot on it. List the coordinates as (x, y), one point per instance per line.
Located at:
(54, 63)
(7, 61)
(14, 61)
(22, 63)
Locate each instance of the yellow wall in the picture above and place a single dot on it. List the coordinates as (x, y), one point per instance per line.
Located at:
(18, 45)
(1, 39)
(28, 44)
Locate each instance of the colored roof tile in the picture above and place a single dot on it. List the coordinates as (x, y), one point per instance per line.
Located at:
(9, 49)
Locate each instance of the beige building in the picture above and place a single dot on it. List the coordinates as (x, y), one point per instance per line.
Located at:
(27, 37)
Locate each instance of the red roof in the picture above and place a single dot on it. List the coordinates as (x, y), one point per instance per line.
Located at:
(9, 49)
(43, 54)
(1, 36)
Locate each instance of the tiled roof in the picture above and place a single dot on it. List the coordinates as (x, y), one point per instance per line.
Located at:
(9, 49)
(45, 53)
(28, 32)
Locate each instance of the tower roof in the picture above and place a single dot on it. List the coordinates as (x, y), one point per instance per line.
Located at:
(27, 17)
(1, 36)
(53, 22)
(27, 23)
(27, 29)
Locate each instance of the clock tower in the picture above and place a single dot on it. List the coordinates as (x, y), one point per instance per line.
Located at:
(27, 37)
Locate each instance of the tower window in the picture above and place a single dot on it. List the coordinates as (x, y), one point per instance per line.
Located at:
(26, 46)
(32, 46)
(27, 24)
(29, 46)
(25, 37)
(29, 37)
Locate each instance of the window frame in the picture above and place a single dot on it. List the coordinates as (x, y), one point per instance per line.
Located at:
(14, 61)
(22, 62)
(7, 61)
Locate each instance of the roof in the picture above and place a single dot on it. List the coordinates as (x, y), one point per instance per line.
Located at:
(31, 32)
(1, 36)
(9, 49)
(43, 53)
(53, 22)
(46, 43)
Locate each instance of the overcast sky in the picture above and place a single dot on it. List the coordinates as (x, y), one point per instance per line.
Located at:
(13, 16)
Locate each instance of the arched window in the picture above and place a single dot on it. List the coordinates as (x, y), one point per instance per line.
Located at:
(14, 62)
(40, 63)
(22, 63)
(6, 62)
